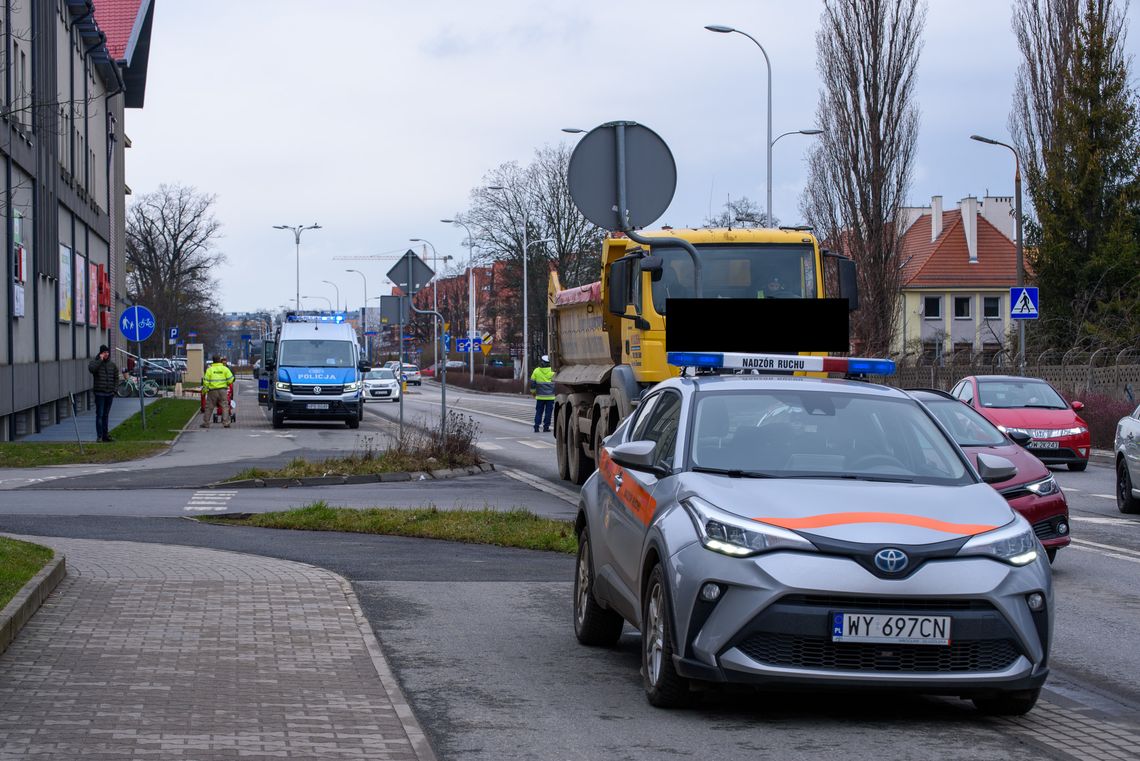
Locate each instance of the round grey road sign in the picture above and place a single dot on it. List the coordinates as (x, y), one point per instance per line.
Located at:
(650, 176)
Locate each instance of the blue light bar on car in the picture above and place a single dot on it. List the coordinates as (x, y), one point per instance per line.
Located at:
(782, 363)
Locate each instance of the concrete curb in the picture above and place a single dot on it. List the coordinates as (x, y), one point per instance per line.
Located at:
(285, 483)
(1102, 457)
(27, 601)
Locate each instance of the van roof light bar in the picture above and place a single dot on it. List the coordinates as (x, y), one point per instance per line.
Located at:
(782, 363)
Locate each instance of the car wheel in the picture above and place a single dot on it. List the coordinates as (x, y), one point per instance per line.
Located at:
(1078, 466)
(1015, 703)
(560, 443)
(1051, 553)
(593, 624)
(664, 687)
(1125, 502)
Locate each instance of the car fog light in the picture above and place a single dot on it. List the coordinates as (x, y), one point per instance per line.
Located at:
(710, 592)
(1084, 452)
(1062, 527)
(1036, 601)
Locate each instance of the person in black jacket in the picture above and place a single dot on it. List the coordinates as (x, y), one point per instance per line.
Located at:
(106, 375)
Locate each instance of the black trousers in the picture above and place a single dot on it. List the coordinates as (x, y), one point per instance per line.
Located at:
(543, 409)
(102, 410)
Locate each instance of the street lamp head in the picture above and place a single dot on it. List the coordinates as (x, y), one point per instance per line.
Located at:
(281, 227)
(811, 132)
(417, 240)
(495, 187)
(352, 270)
(573, 130)
(720, 28)
(314, 226)
(448, 221)
(981, 139)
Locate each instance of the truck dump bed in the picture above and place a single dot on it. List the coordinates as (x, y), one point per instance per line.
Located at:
(583, 350)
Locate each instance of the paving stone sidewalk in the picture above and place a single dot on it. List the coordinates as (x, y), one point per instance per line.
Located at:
(166, 652)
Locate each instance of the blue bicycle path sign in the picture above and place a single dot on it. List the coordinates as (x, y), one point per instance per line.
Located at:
(136, 323)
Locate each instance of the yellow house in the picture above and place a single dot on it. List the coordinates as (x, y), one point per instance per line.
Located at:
(957, 269)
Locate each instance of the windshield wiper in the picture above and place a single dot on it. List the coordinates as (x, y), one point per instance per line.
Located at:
(1044, 407)
(857, 477)
(732, 472)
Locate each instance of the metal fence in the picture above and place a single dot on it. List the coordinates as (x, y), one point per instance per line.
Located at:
(1113, 372)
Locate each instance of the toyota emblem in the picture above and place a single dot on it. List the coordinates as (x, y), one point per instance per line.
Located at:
(316, 389)
(891, 560)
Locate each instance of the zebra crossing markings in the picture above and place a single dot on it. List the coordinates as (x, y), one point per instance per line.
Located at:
(209, 500)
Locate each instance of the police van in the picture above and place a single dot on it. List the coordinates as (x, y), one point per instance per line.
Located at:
(314, 370)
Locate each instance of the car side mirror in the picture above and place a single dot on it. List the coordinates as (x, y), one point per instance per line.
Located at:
(635, 455)
(994, 469)
(1021, 438)
(1078, 406)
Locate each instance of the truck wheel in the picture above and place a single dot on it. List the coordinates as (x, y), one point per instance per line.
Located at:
(560, 442)
(601, 431)
(581, 466)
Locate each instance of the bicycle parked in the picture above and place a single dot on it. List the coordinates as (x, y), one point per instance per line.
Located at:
(129, 386)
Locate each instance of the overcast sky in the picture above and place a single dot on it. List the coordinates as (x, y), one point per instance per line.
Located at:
(376, 118)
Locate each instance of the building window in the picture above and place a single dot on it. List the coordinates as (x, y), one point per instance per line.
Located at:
(932, 307)
(962, 307)
(991, 307)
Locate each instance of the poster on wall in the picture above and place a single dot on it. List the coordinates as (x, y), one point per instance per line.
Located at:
(18, 301)
(93, 294)
(80, 289)
(19, 267)
(65, 303)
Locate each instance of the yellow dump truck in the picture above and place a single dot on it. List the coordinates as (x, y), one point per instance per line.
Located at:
(607, 339)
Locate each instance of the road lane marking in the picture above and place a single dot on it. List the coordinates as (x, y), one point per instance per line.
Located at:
(209, 500)
(488, 446)
(1105, 521)
(536, 444)
(1118, 553)
(1104, 496)
(542, 485)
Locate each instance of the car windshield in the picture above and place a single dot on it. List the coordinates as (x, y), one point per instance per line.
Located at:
(777, 271)
(968, 428)
(411, 368)
(382, 374)
(1005, 394)
(316, 353)
(818, 434)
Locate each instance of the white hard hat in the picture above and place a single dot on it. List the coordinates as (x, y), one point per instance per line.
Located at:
(545, 357)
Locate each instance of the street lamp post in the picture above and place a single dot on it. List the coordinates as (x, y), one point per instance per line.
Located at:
(334, 285)
(297, 230)
(526, 312)
(728, 30)
(470, 296)
(1020, 239)
(812, 131)
(364, 315)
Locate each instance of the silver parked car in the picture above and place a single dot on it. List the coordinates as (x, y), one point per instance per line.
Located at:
(790, 532)
(380, 384)
(1127, 448)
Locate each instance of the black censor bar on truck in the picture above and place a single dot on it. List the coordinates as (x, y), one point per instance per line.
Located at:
(757, 325)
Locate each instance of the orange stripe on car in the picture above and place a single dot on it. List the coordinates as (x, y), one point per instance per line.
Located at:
(844, 519)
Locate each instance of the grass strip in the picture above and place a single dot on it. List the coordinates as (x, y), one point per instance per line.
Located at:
(388, 461)
(514, 528)
(164, 419)
(19, 562)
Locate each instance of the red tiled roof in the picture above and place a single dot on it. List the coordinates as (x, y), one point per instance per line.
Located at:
(117, 19)
(946, 261)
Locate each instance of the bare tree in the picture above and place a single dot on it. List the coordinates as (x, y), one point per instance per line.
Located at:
(1045, 31)
(741, 212)
(860, 169)
(171, 260)
(535, 198)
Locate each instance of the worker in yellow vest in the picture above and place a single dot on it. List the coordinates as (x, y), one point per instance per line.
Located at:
(217, 381)
(542, 389)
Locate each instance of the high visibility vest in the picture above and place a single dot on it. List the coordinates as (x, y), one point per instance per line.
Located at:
(542, 381)
(217, 376)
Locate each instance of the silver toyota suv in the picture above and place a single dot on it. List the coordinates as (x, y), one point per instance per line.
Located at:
(788, 532)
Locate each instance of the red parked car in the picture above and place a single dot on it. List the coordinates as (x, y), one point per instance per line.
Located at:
(1032, 492)
(1030, 405)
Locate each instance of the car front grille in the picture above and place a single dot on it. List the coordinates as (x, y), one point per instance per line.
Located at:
(820, 653)
(312, 390)
(908, 604)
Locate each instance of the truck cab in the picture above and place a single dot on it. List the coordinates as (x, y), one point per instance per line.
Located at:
(316, 371)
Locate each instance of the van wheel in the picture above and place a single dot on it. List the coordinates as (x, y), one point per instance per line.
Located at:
(353, 422)
(278, 419)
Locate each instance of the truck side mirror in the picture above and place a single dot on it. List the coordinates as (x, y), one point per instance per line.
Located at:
(654, 266)
(618, 287)
(849, 283)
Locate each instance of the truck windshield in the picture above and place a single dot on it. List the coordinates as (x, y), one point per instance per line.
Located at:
(741, 271)
(316, 353)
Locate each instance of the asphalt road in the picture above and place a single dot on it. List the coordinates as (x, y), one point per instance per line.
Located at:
(482, 642)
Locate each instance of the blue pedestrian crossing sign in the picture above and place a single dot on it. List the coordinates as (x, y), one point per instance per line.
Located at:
(1023, 303)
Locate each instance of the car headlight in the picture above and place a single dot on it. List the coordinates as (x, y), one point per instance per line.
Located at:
(1071, 431)
(1044, 487)
(283, 386)
(739, 537)
(1013, 543)
(354, 386)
